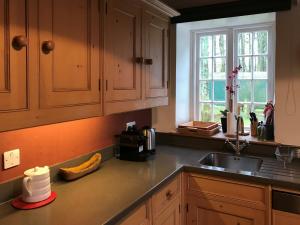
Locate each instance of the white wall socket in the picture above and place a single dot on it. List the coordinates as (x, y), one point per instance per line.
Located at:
(11, 158)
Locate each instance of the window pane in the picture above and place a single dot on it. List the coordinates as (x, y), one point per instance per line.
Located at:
(205, 90)
(220, 45)
(205, 112)
(244, 44)
(217, 114)
(220, 68)
(245, 114)
(259, 110)
(206, 46)
(260, 42)
(205, 69)
(219, 90)
(246, 71)
(260, 91)
(260, 67)
(245, 91)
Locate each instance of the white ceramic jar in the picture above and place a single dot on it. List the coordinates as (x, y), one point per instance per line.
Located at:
(36, 184)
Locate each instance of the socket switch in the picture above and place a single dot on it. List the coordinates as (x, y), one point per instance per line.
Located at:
(11, 158)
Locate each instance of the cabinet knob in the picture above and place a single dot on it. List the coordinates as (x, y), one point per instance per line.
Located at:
(139, 60)
(48, 46)
(169, 194)
(19, 42)
(148, 61)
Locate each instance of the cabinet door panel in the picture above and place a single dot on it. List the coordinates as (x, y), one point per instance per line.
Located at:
(69, 74)
(205, 216)
(123, 47)
(284, 218)
(13, 63)
(157, 50)
(170, 216)
(205, 211)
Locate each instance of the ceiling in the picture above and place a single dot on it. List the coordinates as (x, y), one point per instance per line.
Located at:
(181, 4)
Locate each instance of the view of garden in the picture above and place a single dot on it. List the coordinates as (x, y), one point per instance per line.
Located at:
(252, 55)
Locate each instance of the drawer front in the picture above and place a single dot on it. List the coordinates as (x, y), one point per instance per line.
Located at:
(228, 191)
(140, 216)
(210, 212)
(165, 196)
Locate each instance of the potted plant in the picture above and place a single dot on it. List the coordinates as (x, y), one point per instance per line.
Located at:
(231, 89)
(224, 120)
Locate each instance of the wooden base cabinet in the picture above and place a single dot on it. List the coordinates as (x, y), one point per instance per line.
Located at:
(204, 211)
(284, 218)
(216, 201)
(140, 216)
(170, 216)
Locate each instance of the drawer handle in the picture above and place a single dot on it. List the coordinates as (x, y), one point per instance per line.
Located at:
(139, 60)
(48, 46)
(19, 42)
(169, 195)
(148, 61)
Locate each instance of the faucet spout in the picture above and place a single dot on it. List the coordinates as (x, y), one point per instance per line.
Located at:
(237, 147)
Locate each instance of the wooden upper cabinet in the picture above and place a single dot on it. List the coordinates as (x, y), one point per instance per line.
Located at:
(156, 53)
(13, 56)
(122, 68)
(69, 42)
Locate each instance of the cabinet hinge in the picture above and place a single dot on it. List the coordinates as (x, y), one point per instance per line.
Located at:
(106, 85)
(179, 208)
(99, 83)
(106, 7)
(99, 7)
(187, 207)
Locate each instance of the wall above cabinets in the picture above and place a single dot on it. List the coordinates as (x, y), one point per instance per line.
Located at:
(53, 52)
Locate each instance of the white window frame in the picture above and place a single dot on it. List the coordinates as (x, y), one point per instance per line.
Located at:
(271, 57)
(232, 59)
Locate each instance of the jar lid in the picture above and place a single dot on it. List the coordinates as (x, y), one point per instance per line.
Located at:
(37, 171)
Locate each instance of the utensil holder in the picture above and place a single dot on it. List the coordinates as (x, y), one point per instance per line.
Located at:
(253, 128)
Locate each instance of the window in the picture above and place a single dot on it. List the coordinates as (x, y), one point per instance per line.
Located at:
(216, 53)
(212, 70)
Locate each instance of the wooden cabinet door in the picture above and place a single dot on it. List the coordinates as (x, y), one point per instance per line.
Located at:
(13, 60)
(156, 54)
(69, 52)
(206, 216)
(284, 218)
(204, 211)
(140, 216)
(122, 65)
(170, 216)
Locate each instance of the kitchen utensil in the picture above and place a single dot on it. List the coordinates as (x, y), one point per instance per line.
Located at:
(36, 184)
(149, 134)
(284, 154)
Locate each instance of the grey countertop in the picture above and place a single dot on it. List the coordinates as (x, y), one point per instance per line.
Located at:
(118, 186)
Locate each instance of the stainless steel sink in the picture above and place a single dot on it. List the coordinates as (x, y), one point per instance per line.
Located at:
(232, 162)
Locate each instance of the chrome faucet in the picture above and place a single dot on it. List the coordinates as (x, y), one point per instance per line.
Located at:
(238, 147)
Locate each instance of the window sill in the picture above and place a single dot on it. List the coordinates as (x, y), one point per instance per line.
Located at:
(221, 136)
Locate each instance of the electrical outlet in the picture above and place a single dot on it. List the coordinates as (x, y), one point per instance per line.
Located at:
(130, 124)
(11, 158)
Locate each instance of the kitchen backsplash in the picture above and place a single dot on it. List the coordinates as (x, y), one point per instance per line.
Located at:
(52, 144)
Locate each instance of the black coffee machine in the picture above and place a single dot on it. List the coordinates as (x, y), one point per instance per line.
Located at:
(133, 145)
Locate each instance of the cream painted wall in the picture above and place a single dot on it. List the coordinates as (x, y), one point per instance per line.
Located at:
(287, 117)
